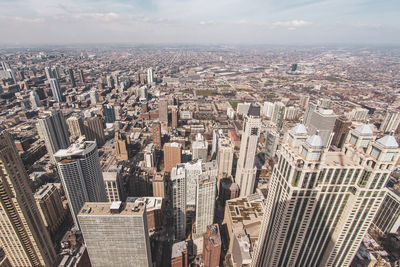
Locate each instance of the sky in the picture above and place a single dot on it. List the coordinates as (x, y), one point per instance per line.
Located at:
(369, 22)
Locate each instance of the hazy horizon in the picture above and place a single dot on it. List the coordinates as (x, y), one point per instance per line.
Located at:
(237, 22)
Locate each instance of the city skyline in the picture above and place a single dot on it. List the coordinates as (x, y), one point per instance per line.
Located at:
(200, 22)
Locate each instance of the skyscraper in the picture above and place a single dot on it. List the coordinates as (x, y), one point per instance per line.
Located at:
(71, 77)
(206, 191)
(390, 122)
(52, 129)
(278, 114)
(116, 234)
(322, 120)
(150, 74)
(109, 113)
(225, 157)
(56, 90)
(271, 143)
(178, 178)
(81, 176)
(172, 155)
(156, 131)
(163, 110)
(193, 171)
(120, 142)
(174, 115)
(23, 235)
(199, 148)
(75, 126)
(82, 76)
(387, 219)
(321, 203)
(94, 130)
(212, 246)
(35, 100)
(246, 171)
(340, 130)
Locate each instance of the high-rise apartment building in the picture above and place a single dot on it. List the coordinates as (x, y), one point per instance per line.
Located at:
(156, 132)
(199, 148)
(246, 171)
(206, 191)
(49, 202)
(52, 129)
(390, 122)
(268, 109)
(225, 153)
(116, 234)
(150, 76)
(174, 117)
(163, 110)
(94, 130)
(321, 203)
(56, 90)
(359, 114)
(34, 99)
(81, 76)
(75, 126)
(271, 143)
(322, 120)
(81, 176)
(23, 235)
(278, 114)
(109, 113)
(178, 178)
(193, 170)
(212, 246)
(114, 186)
(172, 155)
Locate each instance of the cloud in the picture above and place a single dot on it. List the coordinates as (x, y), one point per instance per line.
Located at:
(22, 19)
(292, 24)
(208, 22)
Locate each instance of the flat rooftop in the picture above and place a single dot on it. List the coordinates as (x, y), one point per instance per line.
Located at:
(104, 209)
(178, 249)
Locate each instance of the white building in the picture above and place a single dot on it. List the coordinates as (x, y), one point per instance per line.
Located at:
(246, 171)
(81, 176)
(359, 114)
(149, 155)
(225, 153)
(205, 202)
(179, 181)
(193, 170)
(321, 203)
(199, 148)
(322, 120)
(390, 122)
(268, 109)
(387, 220)
(278, 114)
(56, 90)
(34, 99)
(243, 108)
(112, 182)
(150, 74)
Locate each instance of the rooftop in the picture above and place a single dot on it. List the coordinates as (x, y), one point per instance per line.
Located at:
(388, 141)
(104, 209)
(178, 248)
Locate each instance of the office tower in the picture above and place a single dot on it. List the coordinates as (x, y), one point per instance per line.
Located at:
(291, 113)
(324, 103)
(179, 182)
(49, 73)
(81, 176)
(120, 142)
(387, 219)
(321, 203)
(311, 107)
(75, 126)
(82, 76)
(179, 254)
(113, 185)
(109, 113)
(322, 120)
(116, 234)
(174, 115)
(172, 155)
(71, 77)
(359, 114)
(94, 97)
(340, 130)
(52, 129)
(271, 144)
(56, 90)
(206, 191)
(243, 108)
(94, 130)
(212, 246)
(227, 190)
(49, 202)
(268, 109)
(4, 262)
(23, 235)
(214, 146)
(225, 157)
(304, 99)
(163, 110)
(200, 148)
(159, 186)
(278, 114)
(56, 73)
(34, 99)
(9, 70)
(150, 77)
(193, 170)
(390, 122)
(246, 171)
(156, 132)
